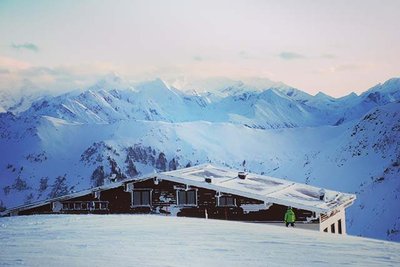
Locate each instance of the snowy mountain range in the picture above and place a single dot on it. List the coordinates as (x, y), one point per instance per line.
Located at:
(56, 144)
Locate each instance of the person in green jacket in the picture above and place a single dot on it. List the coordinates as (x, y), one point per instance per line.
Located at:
(290, 217)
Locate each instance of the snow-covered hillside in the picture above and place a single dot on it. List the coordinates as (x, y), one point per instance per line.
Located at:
(126, 240)
(81, 139)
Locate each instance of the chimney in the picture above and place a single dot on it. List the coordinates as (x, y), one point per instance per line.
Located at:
(242, 175)
(322, 194)
(208, 180)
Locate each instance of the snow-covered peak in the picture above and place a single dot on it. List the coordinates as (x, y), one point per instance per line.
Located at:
(295, 94)
(260, 84)
(384, 93)
(321, 95)
(110, 81)
(223, 86)
(154, 85)
(350, 96)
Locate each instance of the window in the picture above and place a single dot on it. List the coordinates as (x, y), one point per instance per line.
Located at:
(103, 205)
(326, 230)
(226, 201)
(65, 206)
(141, 198)
(333, 228)
(340, 226)
(98, 205)
(187, 197)
(84, 205)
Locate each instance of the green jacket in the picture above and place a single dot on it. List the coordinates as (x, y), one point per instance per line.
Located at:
(290, 216)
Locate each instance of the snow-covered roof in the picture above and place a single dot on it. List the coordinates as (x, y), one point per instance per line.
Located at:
(224, 180)
(261, 187)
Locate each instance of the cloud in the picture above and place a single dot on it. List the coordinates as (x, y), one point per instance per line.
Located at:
(348, 67)
(15, 74)
(197, 58)
(290, 55)
(243, 54)
(345, 67)
(329, 56)
(4, 71)
(27, 46)
(13, 64)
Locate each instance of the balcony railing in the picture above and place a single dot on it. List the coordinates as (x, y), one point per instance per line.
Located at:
(84, 205)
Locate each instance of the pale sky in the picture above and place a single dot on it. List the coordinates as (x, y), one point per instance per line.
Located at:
(331, 46)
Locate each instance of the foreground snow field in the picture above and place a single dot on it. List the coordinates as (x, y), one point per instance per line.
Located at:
(147, 240)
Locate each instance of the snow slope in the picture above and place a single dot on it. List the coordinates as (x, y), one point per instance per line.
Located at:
(140, 240)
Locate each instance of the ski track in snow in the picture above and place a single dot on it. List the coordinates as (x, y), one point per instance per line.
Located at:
(150, 240)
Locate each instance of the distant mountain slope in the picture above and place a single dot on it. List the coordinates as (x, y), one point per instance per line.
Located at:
(86, 138)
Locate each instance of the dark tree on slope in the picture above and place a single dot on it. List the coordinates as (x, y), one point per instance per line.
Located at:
(131, 169)
(138, 153)
(161, 163)
(43, 184)
(6, 190)
(59, 187)
(115, 170)
(98, 176)
(20, 184)
(173, 164)
(28, 198)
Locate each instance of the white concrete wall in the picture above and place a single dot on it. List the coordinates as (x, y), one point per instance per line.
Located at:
(335, 220)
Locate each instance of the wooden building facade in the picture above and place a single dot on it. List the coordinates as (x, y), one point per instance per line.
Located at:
(204, 196)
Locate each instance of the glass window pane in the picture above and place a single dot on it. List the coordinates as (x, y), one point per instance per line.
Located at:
(229, 201)
(340, 226)
(103, 205)
(181, 197)
(191, 194)
(226, 201)
(136, 198)
(222, 201)
(145, 198)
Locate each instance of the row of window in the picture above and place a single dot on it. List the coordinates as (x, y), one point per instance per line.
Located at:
(85, 205)
(333, 227)
(141, 198)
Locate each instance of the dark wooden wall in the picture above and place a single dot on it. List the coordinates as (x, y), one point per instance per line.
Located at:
(164, 202)
(44, 209)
